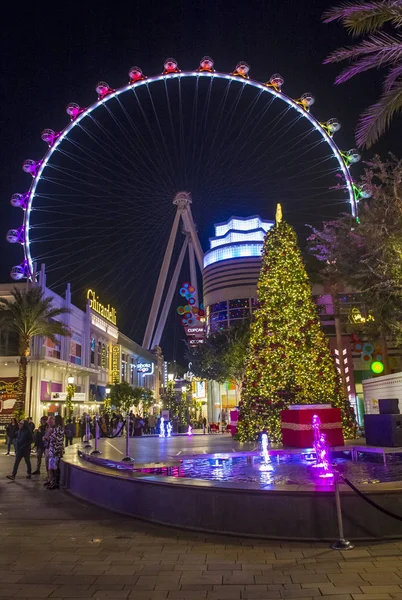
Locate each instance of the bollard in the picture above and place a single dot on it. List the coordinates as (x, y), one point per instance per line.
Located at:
(87, 433)
(127, 458)
(96, 451)
(341, 543)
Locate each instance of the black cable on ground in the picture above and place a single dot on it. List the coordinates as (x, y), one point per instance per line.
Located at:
(366, 499)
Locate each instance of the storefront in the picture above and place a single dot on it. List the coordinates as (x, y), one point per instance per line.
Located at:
(95, 356)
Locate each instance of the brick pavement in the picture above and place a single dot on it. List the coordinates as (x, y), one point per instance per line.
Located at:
(52, 546)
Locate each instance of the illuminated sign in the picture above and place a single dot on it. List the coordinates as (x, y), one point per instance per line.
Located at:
(106, 312)
(116, 364)
(377, 367)
(195, 341)
(145, 368)
(195, 330)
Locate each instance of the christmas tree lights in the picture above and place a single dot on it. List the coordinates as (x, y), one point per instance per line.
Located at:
(289, 360)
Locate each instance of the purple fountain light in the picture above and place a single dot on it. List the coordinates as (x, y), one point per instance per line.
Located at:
(321, 449)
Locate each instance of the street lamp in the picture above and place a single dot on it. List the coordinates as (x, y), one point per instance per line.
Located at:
(170, 377)
(184, 389)
(107, 391)
(70, 380)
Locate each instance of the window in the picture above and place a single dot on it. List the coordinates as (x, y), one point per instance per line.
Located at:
(92, 350)
(99, 354)
(52, 349)
(124, 367)
(132, 371)
(76, 348)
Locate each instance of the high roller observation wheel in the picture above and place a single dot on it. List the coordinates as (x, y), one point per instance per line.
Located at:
(171, 71)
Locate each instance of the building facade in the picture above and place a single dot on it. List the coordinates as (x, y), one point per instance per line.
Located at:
(96, 355)
(230, 275)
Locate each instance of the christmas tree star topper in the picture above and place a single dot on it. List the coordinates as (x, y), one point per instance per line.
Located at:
(278, 214)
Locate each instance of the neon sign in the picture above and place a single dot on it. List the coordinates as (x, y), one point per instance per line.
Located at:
(107, 312)
(145, 368)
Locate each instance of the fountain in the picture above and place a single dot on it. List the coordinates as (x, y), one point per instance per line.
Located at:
(321, 449)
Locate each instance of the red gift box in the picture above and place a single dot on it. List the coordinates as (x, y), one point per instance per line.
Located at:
(297, 427)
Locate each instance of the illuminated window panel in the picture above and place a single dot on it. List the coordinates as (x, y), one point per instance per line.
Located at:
(257, 235)
(246, 224)
(233, 251)
(218, 306)
(241, 303)
(220, 316)
(239, 313)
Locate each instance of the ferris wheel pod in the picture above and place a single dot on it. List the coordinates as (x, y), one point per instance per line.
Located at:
(331, 126)
(242, 70)
(73, 110)
(15, 236)
(365, 191)
(31, 166)
(18, 272)
(353, 155)
(136, 74)
(306, 100)
(170, 66)
(276, 81)
(206, 64)
(49, 136)
(19, 200)
(103, 89)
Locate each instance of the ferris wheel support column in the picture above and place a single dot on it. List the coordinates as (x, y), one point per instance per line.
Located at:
(160, 285)
(169, 296)
(190, 227)
(193, 272)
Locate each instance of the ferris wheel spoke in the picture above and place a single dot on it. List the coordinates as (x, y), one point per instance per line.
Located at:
(154, 138)
(115, 144)
(103, 158)
(123, 185)
(143, 149)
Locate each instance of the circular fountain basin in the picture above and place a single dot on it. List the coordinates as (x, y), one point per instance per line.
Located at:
(241, 493)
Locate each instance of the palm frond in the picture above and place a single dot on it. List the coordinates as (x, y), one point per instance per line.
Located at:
(365, 17)
(377, 118)
(387, 47)
(392, 76)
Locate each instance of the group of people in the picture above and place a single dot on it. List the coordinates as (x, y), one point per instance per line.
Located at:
(48, 440)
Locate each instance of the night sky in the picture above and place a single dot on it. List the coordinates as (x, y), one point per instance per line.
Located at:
(54, 54)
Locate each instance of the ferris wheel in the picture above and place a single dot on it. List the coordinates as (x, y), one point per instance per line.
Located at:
(116, 161)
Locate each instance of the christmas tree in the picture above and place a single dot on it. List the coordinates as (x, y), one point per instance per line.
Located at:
(289, 360)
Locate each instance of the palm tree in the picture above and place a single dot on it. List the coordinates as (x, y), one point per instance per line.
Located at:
(27, 315)
(377, 50)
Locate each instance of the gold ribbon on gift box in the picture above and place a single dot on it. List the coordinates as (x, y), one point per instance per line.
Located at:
(309, 426)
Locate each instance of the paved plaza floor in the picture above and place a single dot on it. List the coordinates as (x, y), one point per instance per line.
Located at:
(53, 546)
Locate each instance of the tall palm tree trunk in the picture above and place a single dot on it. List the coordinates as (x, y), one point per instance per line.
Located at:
(19, 407)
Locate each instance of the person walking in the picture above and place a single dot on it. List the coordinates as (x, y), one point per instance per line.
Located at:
(69, 431)
(24, 441)
(56, 451)
(11, 433)
(39, 443)
(204, 425)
